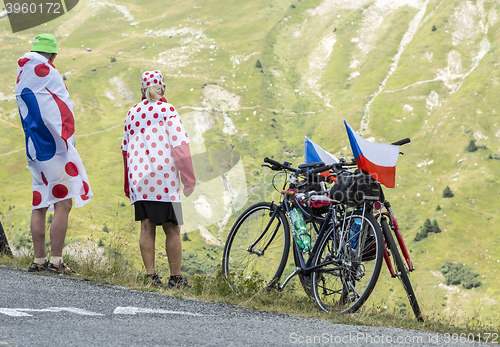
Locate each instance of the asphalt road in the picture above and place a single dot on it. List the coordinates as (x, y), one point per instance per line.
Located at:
(44, 310)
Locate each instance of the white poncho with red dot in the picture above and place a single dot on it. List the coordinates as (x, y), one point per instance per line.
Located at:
(152, 130)
(49, 125)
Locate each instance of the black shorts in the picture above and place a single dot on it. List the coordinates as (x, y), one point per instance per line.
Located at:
(159, 212)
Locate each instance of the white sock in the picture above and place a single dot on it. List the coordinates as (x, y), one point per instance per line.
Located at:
(40, 261)
(56, 260)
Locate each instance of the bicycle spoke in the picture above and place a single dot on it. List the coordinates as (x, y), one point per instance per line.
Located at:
(346, 286)
(252, 249)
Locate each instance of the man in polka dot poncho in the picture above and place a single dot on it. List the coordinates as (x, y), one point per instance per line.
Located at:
(156, 154)
(49, 126)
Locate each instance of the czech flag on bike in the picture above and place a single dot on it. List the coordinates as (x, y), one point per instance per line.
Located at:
(378, 159)
(313, 152)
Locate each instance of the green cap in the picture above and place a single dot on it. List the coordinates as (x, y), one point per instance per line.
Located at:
(45, 43)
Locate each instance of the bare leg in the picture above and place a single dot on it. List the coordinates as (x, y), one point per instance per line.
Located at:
(38, 231)
(59, 226)
(147, 245)
(173, 247)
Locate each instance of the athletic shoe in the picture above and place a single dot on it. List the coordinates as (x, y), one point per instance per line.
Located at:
(153, 279)
(178, 282)
(35, 267)
(61, 269)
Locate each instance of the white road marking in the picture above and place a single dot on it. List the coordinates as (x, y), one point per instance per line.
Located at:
(20, 312)
(135, 310)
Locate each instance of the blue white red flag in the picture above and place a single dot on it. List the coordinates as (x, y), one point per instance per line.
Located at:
(378, 159)
(313, 152)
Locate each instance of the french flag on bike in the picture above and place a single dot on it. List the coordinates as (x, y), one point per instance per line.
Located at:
(313, 152)
(378, 159)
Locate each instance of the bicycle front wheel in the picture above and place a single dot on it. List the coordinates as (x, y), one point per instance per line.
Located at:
(348, 272)
(402, 271)
(258, 244)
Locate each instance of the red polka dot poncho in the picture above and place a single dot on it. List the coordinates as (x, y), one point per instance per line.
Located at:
(152, 132)
(49, 126)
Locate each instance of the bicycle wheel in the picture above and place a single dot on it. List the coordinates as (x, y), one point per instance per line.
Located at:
(401, 269)
(254, 248)
(349, 274)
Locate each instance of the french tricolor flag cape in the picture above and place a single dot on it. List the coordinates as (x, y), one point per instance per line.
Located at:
(313, 152)
(49, 126)
(378, 159)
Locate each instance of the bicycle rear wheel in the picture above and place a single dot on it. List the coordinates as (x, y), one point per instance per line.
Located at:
(402, 271)
(258, 244)
(349, 274)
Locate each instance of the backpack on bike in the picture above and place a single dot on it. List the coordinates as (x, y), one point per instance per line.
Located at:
(351, 190)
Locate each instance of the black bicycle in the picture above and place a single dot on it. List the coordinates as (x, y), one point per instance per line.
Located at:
(336, 271)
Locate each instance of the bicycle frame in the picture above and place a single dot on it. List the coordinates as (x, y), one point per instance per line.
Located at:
(304, 267)
(395, 227)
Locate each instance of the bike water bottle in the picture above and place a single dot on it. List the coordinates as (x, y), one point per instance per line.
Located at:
(299, 227)
(354, 232)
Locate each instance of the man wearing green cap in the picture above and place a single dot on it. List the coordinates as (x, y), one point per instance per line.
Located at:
(46, 45)
(49, 126)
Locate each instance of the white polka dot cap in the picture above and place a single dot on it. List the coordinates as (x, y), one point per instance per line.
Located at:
(152, 78)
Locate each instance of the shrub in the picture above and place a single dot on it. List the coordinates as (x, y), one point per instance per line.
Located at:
(447, 193)
(434, 28)
(427, 228)
(435, 227)
(438, 208)
(258, 65)
(458, 273)
(471, 147)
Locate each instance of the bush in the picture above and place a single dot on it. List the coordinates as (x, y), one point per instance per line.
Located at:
(471, 147)
(458, 273)
(258, 64)
(435, 227)
(447, 193)
(438, 208)
(427, 228)
(434, 28)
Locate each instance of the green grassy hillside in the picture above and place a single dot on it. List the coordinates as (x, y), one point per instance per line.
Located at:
(251, 80)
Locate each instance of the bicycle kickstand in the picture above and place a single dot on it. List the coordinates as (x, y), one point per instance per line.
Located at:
(283, 285)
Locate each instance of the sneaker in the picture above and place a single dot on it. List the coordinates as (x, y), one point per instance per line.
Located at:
(178, 282)
(35, 267)
(153, 279)
(61, 269)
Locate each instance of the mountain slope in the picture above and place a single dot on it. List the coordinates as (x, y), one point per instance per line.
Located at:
(253, 79)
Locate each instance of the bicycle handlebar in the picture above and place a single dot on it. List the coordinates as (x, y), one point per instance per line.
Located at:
(401, 142)
(338, 166)
(276, 165)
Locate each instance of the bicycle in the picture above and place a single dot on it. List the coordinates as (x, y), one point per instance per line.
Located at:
(397, 267)
(260, 241)
(340, 273)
